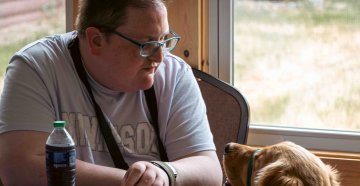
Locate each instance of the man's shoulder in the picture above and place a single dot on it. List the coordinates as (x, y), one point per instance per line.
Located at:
(174, 64)
(42, 51)
(53, 43)
(171, 71)
(176, 60)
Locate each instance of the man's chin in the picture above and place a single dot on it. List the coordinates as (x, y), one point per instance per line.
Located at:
(148, 83)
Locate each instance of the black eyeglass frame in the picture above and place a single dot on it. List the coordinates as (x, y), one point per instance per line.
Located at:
(158, 43)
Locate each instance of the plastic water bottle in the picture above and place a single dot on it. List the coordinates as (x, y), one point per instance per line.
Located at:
(60, 156)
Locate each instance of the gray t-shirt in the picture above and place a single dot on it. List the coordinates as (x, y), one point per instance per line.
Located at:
(42, 85)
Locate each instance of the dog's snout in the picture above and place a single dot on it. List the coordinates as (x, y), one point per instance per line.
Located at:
(227, 148)
(227, 183)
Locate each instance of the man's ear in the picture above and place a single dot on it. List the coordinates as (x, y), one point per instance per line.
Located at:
(95, 39)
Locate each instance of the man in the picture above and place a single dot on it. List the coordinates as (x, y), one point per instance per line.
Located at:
(124, 47)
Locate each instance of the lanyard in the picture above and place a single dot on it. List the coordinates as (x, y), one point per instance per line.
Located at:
(111, 144)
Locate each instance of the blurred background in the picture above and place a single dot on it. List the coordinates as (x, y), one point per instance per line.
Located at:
(297, 62)
(23, 21)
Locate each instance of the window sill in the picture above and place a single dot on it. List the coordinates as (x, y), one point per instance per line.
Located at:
(323, 140)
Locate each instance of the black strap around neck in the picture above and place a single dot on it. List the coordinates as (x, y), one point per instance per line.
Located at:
(113, 148)
(151, 103)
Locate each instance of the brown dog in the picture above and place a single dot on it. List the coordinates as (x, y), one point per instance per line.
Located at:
(281, 164)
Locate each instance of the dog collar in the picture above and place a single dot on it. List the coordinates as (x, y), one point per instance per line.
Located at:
(250, 166)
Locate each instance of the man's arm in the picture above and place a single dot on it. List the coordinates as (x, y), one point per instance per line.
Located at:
(22, 160)
(201, 168)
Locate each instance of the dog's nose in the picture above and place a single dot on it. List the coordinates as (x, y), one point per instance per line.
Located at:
(227, 183)
(227, 148)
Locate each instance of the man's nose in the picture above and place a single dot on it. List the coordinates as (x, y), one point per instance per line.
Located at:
(158, 55)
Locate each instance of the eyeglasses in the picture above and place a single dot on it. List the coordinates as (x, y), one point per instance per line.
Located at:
(149, 48)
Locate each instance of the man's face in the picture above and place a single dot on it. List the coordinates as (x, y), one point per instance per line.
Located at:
(124, 68)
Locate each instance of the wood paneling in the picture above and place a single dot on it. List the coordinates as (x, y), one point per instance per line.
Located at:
(348, 165)
(185, 19)
(349, 169)
(204, 63)
(75, 10)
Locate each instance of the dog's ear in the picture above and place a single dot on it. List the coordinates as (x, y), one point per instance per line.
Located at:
(334, 176)
(274, 174)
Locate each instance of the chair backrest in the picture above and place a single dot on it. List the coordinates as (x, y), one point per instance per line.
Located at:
(227, 111)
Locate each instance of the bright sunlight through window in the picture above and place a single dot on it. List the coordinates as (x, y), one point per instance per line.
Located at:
(297, 62)
(24, 21)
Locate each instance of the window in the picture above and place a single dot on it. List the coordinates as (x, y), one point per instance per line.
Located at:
(23, 21)
(296, 63)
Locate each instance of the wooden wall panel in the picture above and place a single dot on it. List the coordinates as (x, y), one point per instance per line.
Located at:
(349, 170)
(185, 19)
(348, 165)
(75, 10)
(204, 63)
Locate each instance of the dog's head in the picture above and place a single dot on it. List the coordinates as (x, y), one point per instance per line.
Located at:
(281, 164)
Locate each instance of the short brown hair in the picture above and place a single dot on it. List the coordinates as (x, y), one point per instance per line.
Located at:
(108, 14)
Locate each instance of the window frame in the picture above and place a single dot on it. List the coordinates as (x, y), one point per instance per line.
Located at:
(221, 65)
(221, 50)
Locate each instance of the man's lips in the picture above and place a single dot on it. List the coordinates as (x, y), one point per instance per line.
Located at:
(152, 67)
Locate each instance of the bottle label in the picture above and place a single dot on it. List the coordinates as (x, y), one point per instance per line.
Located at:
(60, 157)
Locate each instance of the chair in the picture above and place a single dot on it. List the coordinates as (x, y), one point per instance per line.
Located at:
(227, 111)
